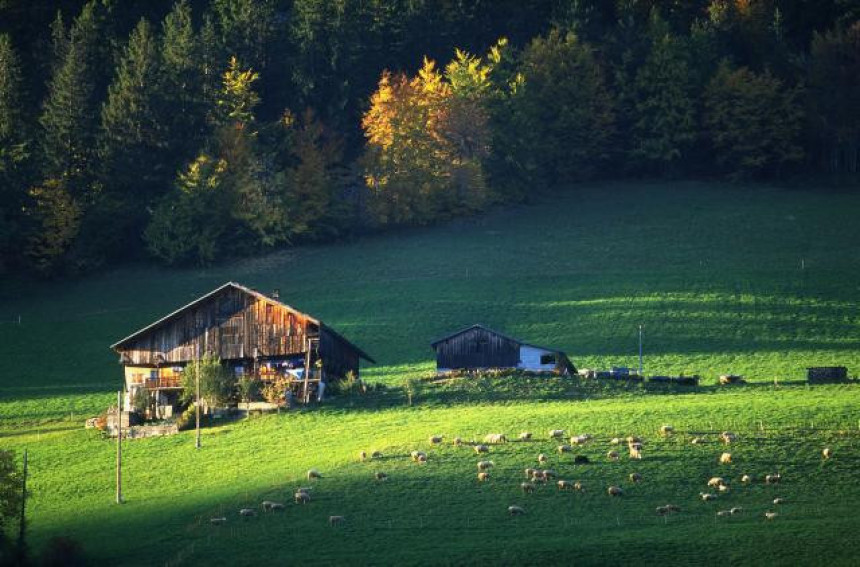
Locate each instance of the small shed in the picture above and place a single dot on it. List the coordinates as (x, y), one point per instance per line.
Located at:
(479, 347)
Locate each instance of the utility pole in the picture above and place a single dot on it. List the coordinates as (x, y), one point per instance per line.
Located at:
(119, 447)
(640, 350)
(22, 523)
(197, 401)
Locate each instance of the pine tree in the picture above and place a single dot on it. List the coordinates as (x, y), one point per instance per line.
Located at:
(246, 28)
(57, 218)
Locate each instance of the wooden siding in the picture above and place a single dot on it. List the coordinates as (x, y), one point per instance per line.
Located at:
(337, 355)
(231, 324)
(477, 348)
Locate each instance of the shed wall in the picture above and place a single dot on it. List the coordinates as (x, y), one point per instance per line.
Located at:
(477, 348)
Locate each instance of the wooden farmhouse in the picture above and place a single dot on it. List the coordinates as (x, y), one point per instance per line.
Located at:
(251, 333)
(478, 347)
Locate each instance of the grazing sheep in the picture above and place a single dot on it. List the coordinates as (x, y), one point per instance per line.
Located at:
(615, 441)
(556, 433)
(313, 473)
(615, 491)
(527, 487)
(612, 455)
(662, 510)
(826, 453)
(666, 430)
(549, 473)
(724, 513)
(277, 506)
(435, 439)
(707, 496)
(482, 449)
(634, 439)
(302, 497)
(726, 459)
(538, 476)
(247, 512)
(218, 521)
(457, 442)
(770, 515)
(515, 511)
(376, 455)
(580, 439)
(578, 486)
(736, 510)
(635, 451)
(336, 520)
(362, 455)
(697, 440)
(564, 485)
(673, 508)
(716, 481)
(778, 501)
(525, 436)
(746, 478)
(483, 476)
(564, 449)
(269, 506)
(422, 458)
(529, 472)
(635, 477)
(542, 458)
(495, 438)
(484, 465)
(723, 488)
(380, 476)
(581, 460)
(728, 437)
(416, 455)
(772, 478)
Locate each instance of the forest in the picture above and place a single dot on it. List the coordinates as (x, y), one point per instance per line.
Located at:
(195, 131)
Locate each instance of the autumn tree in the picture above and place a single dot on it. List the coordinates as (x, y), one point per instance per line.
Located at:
(753, 122)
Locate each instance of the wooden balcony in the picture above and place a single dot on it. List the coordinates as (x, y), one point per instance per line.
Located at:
(163, 383)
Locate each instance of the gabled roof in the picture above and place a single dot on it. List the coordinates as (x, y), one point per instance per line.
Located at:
(248, 291)
(489, 330)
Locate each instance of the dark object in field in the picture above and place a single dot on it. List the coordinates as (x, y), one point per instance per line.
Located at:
(680, 380)
(727, 379)
(826, 374)
(618, 373)
(581, 460)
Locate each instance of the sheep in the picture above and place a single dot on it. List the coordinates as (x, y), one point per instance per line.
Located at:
(666, 430)
(697, 440)
(707, 496)
(564, 485)
(549, 473)
(826, 453)
(457, 441)
(746, 478)
(770, 515)
(726, 459)
(772, 478)
(313, 474)
(564, 449)
(376, 455)
(662, 510)
(484, 465)
(581, 460)
(635, 450)
(716, 481)
(483, 476)
(578, 486)
(612, 455)
(538, 476)
(556, 433)
(269, 506)
(778, 501)
(635, 477)
(362, 455)
(481, 449)
(728, 437)
(634, 439)
(495, 438)
(527, 487)
(301, 497)
(525, 436)
(516, 511)
(435, 439)
(416, 455)
(723, 488)
(580, 439)
(422, 459)
(615, 491)
(722, 513)
(336, 520)
(247, 512)
(736, 510)
(542, 458)
(673, 508)
(277, 506)
(380, 476)
(615, 441)
(218, 521)
(529, 472)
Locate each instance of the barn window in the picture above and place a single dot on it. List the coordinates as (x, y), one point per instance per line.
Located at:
(547, 359)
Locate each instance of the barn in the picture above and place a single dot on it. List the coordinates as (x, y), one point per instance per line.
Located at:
(479, 347)
(253, 334)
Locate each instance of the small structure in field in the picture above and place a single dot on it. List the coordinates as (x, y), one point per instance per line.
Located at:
(826, 374)
(480, 348)
(252, 334)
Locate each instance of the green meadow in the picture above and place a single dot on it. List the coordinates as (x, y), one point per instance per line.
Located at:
(752, 280)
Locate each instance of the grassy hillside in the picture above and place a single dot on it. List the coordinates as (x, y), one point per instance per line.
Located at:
(738, 279)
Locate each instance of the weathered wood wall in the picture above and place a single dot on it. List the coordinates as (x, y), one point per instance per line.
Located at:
(337, 355)
(477, 348)
(231, 325)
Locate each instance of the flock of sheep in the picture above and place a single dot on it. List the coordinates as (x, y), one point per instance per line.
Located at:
(535, 476)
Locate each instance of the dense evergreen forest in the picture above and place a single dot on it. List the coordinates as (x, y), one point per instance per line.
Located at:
(199, 130)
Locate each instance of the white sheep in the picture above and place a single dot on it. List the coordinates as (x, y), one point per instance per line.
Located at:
(457, 441)
(635, 477)
(269, 506)
(527, 487)
(380, 476)
(495, 438)
(746, 478)
(542, 458)
(580, 439)
(529, 472)
(635, 450)
(516, 511)
(376, 455)
(525, 436)
(314, 474)
(770, 515)
(673, 508)
(556, 433)
(612, 455)
(697, 440)
(634, 439)
(666, 430)
(723, 488)
(728, 437)
(662, 510)
(435, 439)
(615, 441)
(336, 520)
(578, 486)
(564, 485)
(826, 453)
(707, 496)
(772, 478)
(482, 449)
(725, 459)
(485, 465)
(716, 481)
(247, 512)
(416, 455)
(724, 513)
(736, 510)
(778, 501)
(549, 473)
(538, 476)
(483, 476)
(422, 458)
(615, 491)
(302, 497)
(564, 449)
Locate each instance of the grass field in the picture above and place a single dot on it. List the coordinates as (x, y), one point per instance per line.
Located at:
(751, 280)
